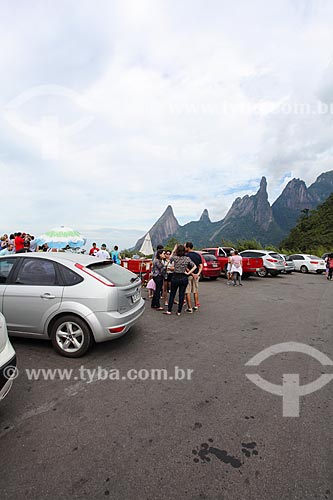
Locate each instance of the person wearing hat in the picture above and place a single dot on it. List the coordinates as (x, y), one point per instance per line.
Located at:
(102, 253)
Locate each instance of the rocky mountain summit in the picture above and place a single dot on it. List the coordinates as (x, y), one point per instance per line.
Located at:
(249, 217)
(165, 227)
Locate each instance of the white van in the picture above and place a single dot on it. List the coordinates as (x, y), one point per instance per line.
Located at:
(7, 360)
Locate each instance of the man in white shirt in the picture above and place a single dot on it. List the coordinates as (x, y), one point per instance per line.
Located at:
(103, 253)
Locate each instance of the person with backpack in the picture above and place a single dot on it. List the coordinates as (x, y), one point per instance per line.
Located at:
(115, 255)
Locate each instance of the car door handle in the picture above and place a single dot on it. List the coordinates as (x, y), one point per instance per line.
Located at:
(47, 296)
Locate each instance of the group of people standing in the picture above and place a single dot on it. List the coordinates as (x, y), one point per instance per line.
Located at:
(104, 253)
(18, 242)
(172, 272)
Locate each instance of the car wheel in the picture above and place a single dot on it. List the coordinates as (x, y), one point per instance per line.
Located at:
(262, 273)
(71, 336)
(213, 278)
(225, 270)
(288, 272)
(304, 269)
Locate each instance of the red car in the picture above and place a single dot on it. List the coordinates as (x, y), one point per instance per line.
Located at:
(211, 268)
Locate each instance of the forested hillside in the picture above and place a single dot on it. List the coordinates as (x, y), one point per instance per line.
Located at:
(314, 229)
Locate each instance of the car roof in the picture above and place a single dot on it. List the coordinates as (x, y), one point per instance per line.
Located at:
(258, 250)
(85, 260)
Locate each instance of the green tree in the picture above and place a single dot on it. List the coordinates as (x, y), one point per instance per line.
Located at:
(171, 243)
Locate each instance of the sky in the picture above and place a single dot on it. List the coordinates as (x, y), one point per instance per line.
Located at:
(112, 110)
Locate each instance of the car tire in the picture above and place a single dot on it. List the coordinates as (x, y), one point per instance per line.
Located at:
(225, 271)
(213, 278)
(262, 273)
(304, 269)
(288, 272)
(79, 331)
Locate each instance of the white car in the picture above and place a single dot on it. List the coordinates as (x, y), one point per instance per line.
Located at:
(305, 263)
(273, 262)
(7, 360)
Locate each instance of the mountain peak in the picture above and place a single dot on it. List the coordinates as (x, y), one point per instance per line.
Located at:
(205, 216)
(263, 184)
(163, 228)
(168, 210)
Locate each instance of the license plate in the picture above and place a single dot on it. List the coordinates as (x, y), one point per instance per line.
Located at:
(214, 265)
(136, 296)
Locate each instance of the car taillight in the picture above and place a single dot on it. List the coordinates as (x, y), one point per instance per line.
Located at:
(93, 275)
(272, 260)
(314, 262)
(117, 329)
(205, 264)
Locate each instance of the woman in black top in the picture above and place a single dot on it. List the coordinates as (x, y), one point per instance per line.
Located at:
(159, 273)
(182, 267)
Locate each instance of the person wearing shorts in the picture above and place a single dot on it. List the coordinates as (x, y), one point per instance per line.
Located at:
(193, 281)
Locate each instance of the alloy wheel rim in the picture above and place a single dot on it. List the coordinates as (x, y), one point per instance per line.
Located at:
(69, 336)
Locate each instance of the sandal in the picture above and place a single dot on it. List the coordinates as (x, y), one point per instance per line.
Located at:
(167, 312)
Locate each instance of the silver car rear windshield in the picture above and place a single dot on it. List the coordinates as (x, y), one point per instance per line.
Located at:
(275, 255)
(114, 273)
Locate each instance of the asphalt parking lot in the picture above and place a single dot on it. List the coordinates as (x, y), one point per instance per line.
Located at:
(216, 436)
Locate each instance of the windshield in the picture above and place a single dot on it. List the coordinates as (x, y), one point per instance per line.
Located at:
(212, 251)
(275, 255)
(209, 258)
(114, 273)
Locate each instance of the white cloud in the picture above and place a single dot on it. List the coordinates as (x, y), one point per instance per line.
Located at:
(173, 90)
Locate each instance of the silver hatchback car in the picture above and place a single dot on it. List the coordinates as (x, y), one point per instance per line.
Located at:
(69, 298)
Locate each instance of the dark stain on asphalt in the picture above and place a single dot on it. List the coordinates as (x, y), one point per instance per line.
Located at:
(248, 447)
(221, 455)
(251, 446)
(205, 449)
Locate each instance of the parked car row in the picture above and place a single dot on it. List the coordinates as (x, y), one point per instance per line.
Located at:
(75, 300)
(266, 262)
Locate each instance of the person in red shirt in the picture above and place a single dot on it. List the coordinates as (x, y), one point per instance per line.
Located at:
(93, 251)
(18, 242)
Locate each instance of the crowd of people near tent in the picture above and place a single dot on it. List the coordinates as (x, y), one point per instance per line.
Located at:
(18, 242)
